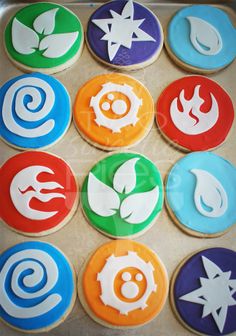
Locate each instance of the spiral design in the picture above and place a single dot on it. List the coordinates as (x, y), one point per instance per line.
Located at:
(14, 102)
(42, 267)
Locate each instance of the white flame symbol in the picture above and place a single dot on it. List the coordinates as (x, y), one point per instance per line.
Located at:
(209, 192)
(204, 37)
(198, 122)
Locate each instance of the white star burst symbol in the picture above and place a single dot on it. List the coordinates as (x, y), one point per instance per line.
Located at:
(215, 294)
(122, 30)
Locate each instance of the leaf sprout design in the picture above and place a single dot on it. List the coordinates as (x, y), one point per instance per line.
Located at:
(105, 201)
(215, 294)
(26, 40)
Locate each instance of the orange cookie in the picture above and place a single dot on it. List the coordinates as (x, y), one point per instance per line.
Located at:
(113, 111)
(123, 285)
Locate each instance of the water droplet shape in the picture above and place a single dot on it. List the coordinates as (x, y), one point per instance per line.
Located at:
(210, 192)
(204, 37)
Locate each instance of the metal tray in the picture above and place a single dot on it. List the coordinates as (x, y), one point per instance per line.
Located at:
(78, 239)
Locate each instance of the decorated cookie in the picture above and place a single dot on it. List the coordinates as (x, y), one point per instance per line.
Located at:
(195, 113)
(201, 38)
(34, 111)
(37, 287)
(39, 193)
(122, 195)
(124, 35)
(203, 292)
(44, 36)
(201, 193)
(112, 111)
(124, 284)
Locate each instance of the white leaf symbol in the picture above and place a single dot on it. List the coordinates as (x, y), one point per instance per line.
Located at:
(209, 191)
(57, 45)
(204, 37)
(125, 177)
(103, 200)
(45, 22)
(136, 208)
(24, 39)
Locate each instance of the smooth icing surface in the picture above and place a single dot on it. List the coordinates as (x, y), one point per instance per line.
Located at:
(202, 36)
(200, 191)
(122, 194)
(125, 283)
(38, 192)
(34, 111)
(43, 35)
(205, 291)
(113, 110)
(124, 33)
(33, 290)
(195, 112)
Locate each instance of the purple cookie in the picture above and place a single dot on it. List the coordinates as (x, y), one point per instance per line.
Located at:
(204, 292)
(124, 34)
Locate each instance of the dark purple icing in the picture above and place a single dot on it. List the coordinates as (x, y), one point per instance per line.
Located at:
(140, 51)
(188, 280)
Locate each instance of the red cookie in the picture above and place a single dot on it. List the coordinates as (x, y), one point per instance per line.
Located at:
(39, 193)
(195, 112)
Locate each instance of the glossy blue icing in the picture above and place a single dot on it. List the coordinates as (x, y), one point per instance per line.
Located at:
(60, 113)
(181, 185)
(179, 37)
(64, 287)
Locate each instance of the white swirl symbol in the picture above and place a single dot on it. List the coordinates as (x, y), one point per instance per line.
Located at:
(15, 100)
(40, 264)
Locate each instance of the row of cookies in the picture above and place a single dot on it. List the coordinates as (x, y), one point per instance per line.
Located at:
(121, 195)
(123, 284)
(114, 111)
(47, 37)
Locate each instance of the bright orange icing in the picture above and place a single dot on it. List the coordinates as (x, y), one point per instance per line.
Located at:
(84, 116)
(92, 287)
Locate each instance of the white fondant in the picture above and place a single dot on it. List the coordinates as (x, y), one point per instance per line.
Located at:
(129, 290)
(210, 192)
(119, 107)
(21, 198)
(103, 200)
(24, 39)
(136, 208)
(57, 45)
(111, 96)
(215, 294)
(45, 22)
(130, 118)
(108, 275)
(122, 30)
(139, 277)
(204, 37)
(126, 276)
(14, 101)
(199, 122)
(124, 180)
(106, 106)
(40, 262)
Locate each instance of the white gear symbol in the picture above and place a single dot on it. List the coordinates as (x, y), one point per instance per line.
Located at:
(116, 124)
(108, 274)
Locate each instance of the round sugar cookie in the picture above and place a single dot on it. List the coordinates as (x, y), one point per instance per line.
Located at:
(35, 111)
(44, 37)
(39, 193)
(38, 289)
(123, 285)
(113, 111)
(201, 38)
(201, 193)
(202, 292)
(122, 195)
(124, 35)
(195, 113)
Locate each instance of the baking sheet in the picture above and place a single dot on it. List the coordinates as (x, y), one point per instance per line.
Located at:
(78, 239)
